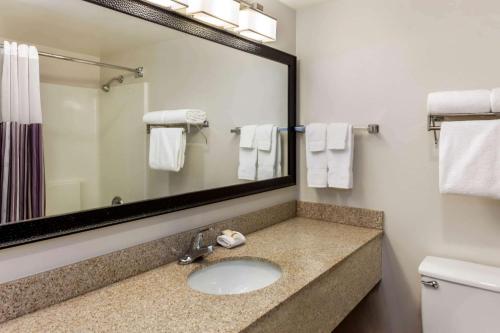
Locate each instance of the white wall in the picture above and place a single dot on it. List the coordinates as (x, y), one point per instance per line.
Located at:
(41, 256)
(366, 62)
(234, 88)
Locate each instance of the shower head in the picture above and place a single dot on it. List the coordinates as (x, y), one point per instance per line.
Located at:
(107, 87)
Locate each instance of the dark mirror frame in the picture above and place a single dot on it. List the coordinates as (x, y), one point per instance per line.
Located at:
(55, 226)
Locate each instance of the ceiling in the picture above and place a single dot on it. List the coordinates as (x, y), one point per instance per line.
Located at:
(77, 26)
(297, 4)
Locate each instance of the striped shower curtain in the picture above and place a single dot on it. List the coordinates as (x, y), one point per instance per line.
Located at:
(22, 180)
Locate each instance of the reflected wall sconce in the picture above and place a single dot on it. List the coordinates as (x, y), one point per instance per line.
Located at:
(237, 16)
(170, 4)
(220, 13)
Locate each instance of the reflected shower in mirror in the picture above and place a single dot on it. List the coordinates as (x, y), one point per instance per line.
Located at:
(125, 117)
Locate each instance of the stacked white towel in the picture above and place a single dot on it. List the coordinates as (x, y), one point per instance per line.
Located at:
(269, 152)
(468, 101)
(231, 239)
(185, 116)
(316, 159)
(495, 100)
(469, 158)
(167, 149)
(247, 169)
(340, 155)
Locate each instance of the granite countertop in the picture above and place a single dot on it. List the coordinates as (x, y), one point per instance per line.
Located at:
(161, 300)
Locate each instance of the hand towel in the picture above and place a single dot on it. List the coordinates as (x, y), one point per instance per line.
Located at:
(268, 162)
(167, 148)
(263, 137)
(316, 137)
(468, 101)
(469, 158)
(231, 239)
(316, 160)
(340, 164)
(247, 169)
(495, 100)
(336, 136)
(247, 136)
(186, 116)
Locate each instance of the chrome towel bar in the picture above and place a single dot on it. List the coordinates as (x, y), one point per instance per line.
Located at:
(371, 129)
(434, 120)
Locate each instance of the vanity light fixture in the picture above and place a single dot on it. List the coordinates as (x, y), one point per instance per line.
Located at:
(169, 4)
(220, 13)
(257, 25)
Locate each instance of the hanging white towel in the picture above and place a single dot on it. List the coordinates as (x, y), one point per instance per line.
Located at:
(340, 164)
(468, 101)
(316, 160)
(186, 116)
(495, 100)
(247, 169)
(469, 158)
(263, 137)
(337, 135)
(167, 149)
(269, 162)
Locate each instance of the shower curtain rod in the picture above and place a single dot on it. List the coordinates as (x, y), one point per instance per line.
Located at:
(139, 71)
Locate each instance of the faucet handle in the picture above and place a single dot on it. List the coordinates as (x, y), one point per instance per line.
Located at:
(198, 238)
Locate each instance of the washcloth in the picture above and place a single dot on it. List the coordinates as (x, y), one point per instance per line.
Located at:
(340, 164)
(247, 136)
(269, 162)
(263, 137)
(468, 101)
(316, 159)
(231, 239)
(337, 136)
(316, 137)
(167, 148)
(187, 116)
(247, 169)
(469, 158)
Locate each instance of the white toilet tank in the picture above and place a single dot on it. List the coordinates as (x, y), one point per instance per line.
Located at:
(459, 297)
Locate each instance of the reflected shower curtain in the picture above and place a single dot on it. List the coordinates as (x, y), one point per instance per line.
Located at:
(22, 179)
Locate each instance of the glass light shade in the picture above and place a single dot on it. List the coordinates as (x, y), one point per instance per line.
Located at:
(220, 13)
(169, 4)
(257, 25)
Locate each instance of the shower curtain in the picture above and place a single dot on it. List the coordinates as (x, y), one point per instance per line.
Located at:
(22, 179)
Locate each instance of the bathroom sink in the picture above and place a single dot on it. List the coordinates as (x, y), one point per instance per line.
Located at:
(234, 277)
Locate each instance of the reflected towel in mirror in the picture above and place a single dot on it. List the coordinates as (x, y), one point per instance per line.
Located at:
(167, 148)
(185, 116)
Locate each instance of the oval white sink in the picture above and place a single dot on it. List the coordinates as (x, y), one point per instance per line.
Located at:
(234, 277)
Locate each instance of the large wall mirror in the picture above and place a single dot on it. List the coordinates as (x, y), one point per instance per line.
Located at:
(148, 123)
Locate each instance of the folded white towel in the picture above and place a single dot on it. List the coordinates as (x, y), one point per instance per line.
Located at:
(247, 169)
(316, 160)
(468, 101)
(263, 137)
(269, 162)
(337, 136)
(469, 158)
(231, 239)
(495, 100)
(340, 164)
(187, 116)
(316, 137)
(167, 148)
(247, 136)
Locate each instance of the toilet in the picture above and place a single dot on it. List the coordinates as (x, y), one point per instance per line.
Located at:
(459, 297)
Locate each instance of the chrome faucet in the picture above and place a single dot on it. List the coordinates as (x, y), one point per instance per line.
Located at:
(196, 250)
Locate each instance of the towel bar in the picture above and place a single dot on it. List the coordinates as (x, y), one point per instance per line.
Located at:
(371, 128)
(434, 119)
(184, 125)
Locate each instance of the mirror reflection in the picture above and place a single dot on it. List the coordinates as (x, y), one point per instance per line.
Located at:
(151, 112)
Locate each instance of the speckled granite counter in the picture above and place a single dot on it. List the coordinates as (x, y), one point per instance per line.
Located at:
(327, 269)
